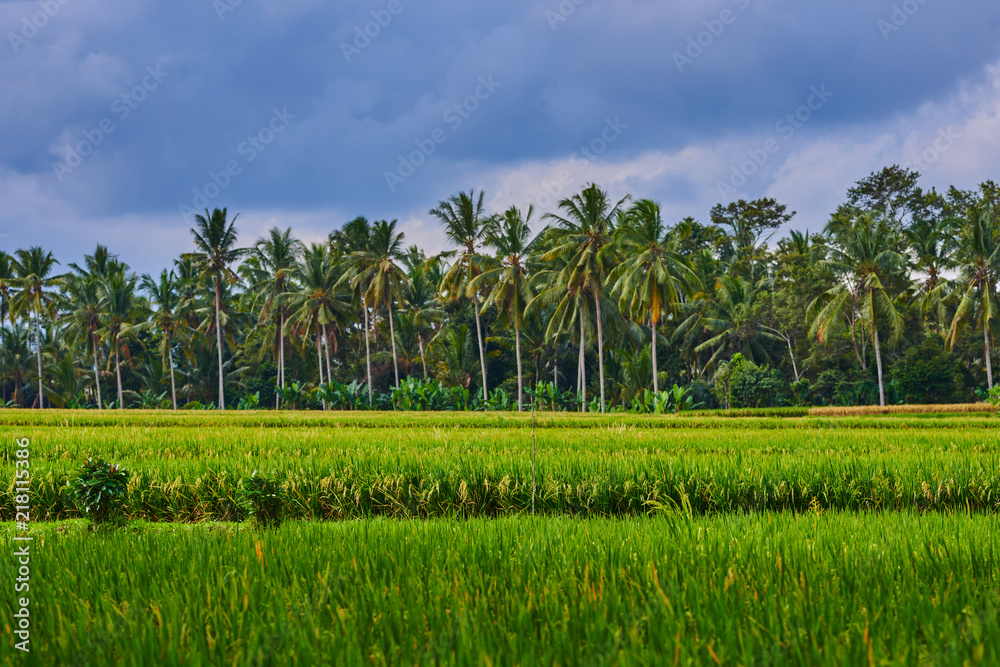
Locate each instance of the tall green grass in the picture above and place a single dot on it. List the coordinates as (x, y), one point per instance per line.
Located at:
(764, 418)
(814, 589)
(193, 473)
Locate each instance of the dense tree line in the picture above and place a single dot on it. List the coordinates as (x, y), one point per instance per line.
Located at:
(602, 305)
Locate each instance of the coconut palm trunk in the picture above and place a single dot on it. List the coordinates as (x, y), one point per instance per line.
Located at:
(326, 339)
(319, 359)
(600, 348)
(482, 353)
(38, 343)
(520, 374)
(989, 362)
(656, 379)
(368, 354)
(118, 375)
(878, 359)
(97, 374)
(281, 356)
(218, 338)
(392, 335)
(583, 370)
(173, 382)
(423, 359)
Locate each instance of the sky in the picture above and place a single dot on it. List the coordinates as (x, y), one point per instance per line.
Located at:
(123, 118)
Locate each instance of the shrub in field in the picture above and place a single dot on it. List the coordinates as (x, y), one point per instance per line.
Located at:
(499, 401)
(417, 394)
(293, 396)
(927, 374)
(802, 393)
(264, 499)
(100, 490)
(548, 397)
(339, 396)
(992, 396)
(249, 402)
(747, 385)
(702, 395)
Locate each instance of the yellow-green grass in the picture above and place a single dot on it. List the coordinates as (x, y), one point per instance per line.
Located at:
(772, 589)
(776, 418)
(188, 467)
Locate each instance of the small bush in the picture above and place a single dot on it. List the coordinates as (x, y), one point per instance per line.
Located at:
(264, 499)
(744, 384)
(702, 395)
(100, 490)
(927, 373)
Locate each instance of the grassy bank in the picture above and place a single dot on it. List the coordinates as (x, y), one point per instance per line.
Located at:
(816, 589)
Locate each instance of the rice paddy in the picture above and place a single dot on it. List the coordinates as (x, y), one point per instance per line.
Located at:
(409, 539)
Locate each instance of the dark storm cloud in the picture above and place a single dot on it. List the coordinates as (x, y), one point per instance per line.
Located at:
(360, 85)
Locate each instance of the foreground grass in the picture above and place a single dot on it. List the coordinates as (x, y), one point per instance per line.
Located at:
(188, 467)
(818, 589)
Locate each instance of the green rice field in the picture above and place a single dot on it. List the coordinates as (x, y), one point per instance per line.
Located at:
(410, 539)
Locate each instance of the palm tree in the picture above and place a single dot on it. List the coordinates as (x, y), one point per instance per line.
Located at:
(863, 255)
(117, 303)
(932, 247)
(731, 320)
(316, 305)
(355, 237)
(215, 238)
(269, 272)
(979, 255)
(7, 280)
(650, 279)
(169, 319)
(15, 352)
(583, 238)
(377, 268)
(464, 219)
(455, 355)
(419, 293)
(507, 275)
(84, 319)
(33, 268)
